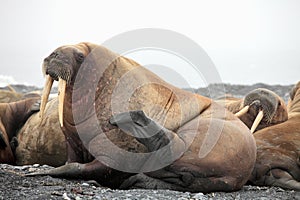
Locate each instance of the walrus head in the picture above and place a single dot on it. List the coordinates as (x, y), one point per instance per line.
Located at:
(62, 66)
(264, 107)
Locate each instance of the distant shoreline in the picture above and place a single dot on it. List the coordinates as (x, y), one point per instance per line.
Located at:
(213, 91)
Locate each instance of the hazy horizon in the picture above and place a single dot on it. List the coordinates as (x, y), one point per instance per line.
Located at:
(7, 80)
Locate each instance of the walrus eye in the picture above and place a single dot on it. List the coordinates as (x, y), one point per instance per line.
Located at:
(79, 57)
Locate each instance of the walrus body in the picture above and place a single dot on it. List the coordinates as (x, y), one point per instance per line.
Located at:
(278, 149)
(12, 117)
(42, 142)
(32, 141)
(112, 106)
(7, 96)
(259, 100)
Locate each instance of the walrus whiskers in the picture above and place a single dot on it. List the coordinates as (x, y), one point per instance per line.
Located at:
(46, 93)
(257, 120)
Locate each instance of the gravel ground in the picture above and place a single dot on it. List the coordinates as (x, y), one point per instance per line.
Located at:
(14, 185)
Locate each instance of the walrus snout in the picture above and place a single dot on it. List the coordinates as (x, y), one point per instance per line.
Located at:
(60, 66)
(255, 107)
(58, 69)
(268, 102)
(264, 107)
(62, 62)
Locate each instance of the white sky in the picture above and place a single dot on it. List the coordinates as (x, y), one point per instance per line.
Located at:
(248, 41)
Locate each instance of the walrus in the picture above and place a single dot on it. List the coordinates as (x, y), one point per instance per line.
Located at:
(111, 107)
(12, 117)
(31, 142)
(42, 142)
(7, 96)
(278, 150)
(260, 108)
(11, 95)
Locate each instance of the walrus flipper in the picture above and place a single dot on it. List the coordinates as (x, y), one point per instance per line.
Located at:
(69, 170)
(144, 129)
(164, 146)
(283, 179)
(93, 170)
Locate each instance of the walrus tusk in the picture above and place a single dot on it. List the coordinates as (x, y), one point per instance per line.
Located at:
(61, 97)
(45, 95)
(243, 111)
(257, 120)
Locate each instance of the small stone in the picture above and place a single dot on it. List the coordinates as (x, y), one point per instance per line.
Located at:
(85, 184)
(77, 190)
(278, 189)
(78, 198)
(65, 196)
(25, 167)
(31, 169)
(198, 195)
(182, 198)
(36, 165)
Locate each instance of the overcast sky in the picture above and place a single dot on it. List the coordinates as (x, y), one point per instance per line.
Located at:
(248, 41)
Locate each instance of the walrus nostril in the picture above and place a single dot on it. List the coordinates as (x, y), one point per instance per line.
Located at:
(267, 102)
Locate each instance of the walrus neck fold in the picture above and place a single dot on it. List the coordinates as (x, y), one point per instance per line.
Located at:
(293, 107)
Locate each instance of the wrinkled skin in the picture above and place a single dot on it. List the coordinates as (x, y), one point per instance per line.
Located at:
(12, 117)
(42, 142)
(278, 150)
(31, 142)
(273, 107)
(211, 150)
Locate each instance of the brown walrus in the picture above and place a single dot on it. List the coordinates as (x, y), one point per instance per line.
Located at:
(278, 150)
(12, 117)
(42, 142)
(7, 96)
(31, 143)
(120, 119)
(259, 108)
(11, 95)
